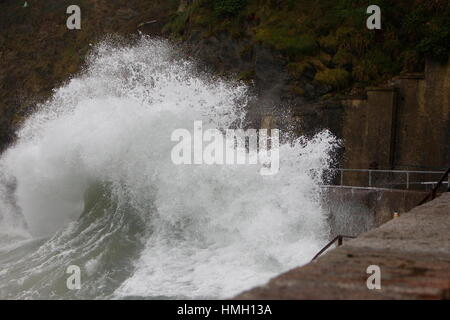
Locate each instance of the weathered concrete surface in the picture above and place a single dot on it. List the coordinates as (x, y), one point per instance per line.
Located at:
(413, 252)
(386, 128)
(354, 210)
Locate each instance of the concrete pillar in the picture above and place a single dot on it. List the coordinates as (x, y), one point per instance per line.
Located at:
(410, 121)
(381, 113)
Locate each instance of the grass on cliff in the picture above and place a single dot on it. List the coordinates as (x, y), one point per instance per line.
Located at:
(330, 36)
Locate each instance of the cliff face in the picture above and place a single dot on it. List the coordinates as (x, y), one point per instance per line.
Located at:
(38, 52)
(318, 47)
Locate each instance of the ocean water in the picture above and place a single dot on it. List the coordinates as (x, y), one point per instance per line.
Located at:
(90, 182)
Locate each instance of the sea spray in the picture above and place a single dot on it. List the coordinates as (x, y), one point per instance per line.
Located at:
(96, 187)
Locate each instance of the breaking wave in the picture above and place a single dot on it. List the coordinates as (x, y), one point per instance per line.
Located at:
(90, 182)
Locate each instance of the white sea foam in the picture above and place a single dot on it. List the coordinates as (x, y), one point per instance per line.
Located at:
(209, 231)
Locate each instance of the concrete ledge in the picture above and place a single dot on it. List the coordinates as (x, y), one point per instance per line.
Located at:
(413, 252)
(354, 210)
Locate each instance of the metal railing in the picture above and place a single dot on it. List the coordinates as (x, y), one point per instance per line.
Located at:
(429, 197)
(407, 183)
(339, 239)
(432, 194)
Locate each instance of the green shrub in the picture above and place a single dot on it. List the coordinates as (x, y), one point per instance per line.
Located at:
(296, 69)
(436, 46)
(437, 42)
(292, 44)
(246, 76)
(337, 78)
(328, 37)
(329, 43)
(229, 7)
(343, 57)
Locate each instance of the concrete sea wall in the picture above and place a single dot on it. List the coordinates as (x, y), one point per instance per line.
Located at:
(354, 210)
(403, 125)
(412, 252)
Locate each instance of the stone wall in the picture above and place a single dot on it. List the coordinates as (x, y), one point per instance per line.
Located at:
(423, 113)
(403, 126)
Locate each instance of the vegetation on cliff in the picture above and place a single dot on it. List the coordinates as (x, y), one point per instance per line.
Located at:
(329, 37)
(38, 52)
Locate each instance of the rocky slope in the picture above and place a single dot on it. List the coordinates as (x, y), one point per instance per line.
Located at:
(320, 46)
(38, 52)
